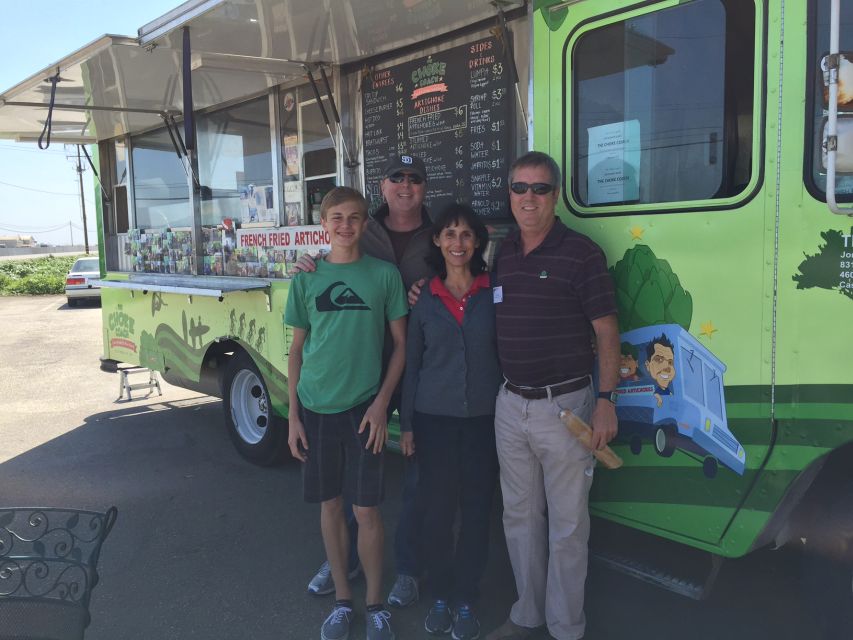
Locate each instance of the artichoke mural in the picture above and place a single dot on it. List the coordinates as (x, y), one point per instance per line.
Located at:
(648, 292)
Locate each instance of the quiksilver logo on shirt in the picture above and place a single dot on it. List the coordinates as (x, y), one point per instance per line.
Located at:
(340, 297)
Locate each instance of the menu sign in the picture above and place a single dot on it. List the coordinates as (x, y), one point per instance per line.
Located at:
(452, 109)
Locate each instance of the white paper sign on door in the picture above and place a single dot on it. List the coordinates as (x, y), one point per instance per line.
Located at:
(613, 173)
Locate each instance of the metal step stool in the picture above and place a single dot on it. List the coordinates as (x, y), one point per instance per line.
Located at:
(125, 386)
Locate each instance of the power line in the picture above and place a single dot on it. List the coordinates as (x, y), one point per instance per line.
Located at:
(32, 233)
(25, 150)
(54, 193)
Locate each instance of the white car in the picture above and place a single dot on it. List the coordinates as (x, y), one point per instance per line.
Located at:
(78, 282)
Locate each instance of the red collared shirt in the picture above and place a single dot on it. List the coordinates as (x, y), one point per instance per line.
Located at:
(454, 306)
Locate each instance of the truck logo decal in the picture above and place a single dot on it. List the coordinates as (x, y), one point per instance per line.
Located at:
(120, 323)
(831, 267)
(122, 343)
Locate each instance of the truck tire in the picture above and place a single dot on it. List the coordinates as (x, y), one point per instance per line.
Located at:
(636, 445)
(827, 565)
(665, 441)
(257, 433)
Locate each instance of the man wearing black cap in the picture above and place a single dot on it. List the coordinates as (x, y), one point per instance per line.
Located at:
(400, 233)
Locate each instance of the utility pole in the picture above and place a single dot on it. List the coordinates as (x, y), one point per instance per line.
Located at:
(71, 231)
(82, 200)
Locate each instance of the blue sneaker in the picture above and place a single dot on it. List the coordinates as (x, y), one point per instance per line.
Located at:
(336, 626)
(466, 626)
(439, 622)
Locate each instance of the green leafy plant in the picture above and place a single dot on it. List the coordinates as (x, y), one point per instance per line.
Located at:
(648, 292)
(38, 276)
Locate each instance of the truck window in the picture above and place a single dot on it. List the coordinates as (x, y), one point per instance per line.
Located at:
(817, 109)
(309, 158)
(161, 192)
(662, 106)
(713, 390)
(235, 165)
(691, 371)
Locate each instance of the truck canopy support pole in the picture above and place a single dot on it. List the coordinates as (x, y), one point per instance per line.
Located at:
(180, 149)
(510, 54)
(95, 171)
(186, 79)
(350, 163)
(321, 107)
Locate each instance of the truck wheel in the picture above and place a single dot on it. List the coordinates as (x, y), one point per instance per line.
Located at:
(636, 445)
(665, 441)
(257, 433)
(710, 467)
(827, 564)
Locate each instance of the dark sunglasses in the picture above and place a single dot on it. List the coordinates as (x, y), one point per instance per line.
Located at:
(412, 178)
(539, 188)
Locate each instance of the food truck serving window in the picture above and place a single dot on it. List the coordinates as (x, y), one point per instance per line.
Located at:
(161, 192)
(235, 165)
(662, 106)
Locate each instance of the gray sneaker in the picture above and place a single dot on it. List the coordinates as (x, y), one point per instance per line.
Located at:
(336, 626)
(379, 625)
(404, 592)
(466, 626)
(322, 584)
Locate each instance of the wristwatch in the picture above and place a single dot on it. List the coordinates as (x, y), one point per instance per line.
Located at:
(608, 395)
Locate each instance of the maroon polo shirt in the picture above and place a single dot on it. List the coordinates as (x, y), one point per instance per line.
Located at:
(550, 298)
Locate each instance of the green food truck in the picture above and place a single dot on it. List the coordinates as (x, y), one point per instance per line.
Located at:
(707, 146)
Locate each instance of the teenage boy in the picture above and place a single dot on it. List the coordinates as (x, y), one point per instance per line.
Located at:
(338, 404)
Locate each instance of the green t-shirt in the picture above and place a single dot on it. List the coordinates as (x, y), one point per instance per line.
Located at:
(343, 307)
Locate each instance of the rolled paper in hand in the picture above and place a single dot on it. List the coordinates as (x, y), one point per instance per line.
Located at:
(583, 432)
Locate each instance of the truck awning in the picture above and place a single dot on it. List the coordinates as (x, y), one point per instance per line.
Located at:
(118, 85)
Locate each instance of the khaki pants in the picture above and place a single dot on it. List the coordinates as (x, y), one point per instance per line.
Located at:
(545, 478)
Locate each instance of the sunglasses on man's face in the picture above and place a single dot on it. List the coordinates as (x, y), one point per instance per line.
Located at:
(412, 178)
(539, 188)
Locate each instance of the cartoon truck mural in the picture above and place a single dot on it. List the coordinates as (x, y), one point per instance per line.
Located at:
(671, 393)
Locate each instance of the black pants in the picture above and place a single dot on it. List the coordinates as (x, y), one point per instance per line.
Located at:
(458, 468)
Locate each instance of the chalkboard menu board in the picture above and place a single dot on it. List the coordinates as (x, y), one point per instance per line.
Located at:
(452, 109)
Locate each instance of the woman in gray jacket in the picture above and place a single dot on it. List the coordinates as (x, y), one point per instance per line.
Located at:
(449, 388)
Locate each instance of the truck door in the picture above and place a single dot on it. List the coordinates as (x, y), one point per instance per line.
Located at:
(656, 110)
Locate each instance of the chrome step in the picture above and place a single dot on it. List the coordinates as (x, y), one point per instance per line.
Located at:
(684, 586)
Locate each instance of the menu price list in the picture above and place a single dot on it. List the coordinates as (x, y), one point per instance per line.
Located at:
(453, 110)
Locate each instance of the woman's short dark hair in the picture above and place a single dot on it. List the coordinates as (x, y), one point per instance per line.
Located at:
(452, 214)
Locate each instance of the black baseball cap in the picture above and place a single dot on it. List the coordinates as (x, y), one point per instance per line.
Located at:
(409, 164)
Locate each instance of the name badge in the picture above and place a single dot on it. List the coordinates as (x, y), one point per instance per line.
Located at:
(497, 294)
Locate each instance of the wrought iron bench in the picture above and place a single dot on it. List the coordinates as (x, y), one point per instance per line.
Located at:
(48, 560)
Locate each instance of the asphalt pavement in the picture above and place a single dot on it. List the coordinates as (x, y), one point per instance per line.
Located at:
(209, 546)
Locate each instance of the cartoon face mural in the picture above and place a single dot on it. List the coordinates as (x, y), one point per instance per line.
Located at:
(628, 363)
(661, 363)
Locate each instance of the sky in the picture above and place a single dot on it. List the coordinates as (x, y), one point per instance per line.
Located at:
(39, 189)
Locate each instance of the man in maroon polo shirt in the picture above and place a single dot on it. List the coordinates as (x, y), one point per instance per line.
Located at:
(552, 295)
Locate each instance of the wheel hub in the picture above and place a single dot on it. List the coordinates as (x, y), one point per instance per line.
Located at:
(249, 406)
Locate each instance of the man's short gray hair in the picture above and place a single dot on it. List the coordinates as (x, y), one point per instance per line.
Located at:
(538, 159)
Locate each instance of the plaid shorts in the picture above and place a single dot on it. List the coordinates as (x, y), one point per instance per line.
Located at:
(338, 464)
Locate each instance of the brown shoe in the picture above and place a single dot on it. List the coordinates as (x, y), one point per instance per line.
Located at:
(510, 631)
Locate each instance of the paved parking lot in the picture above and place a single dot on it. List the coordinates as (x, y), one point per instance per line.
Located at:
(209, 546)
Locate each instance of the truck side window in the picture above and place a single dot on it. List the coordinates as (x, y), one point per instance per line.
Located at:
(818, 94)
(235, 165)
(161, 192)
(662, 106)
